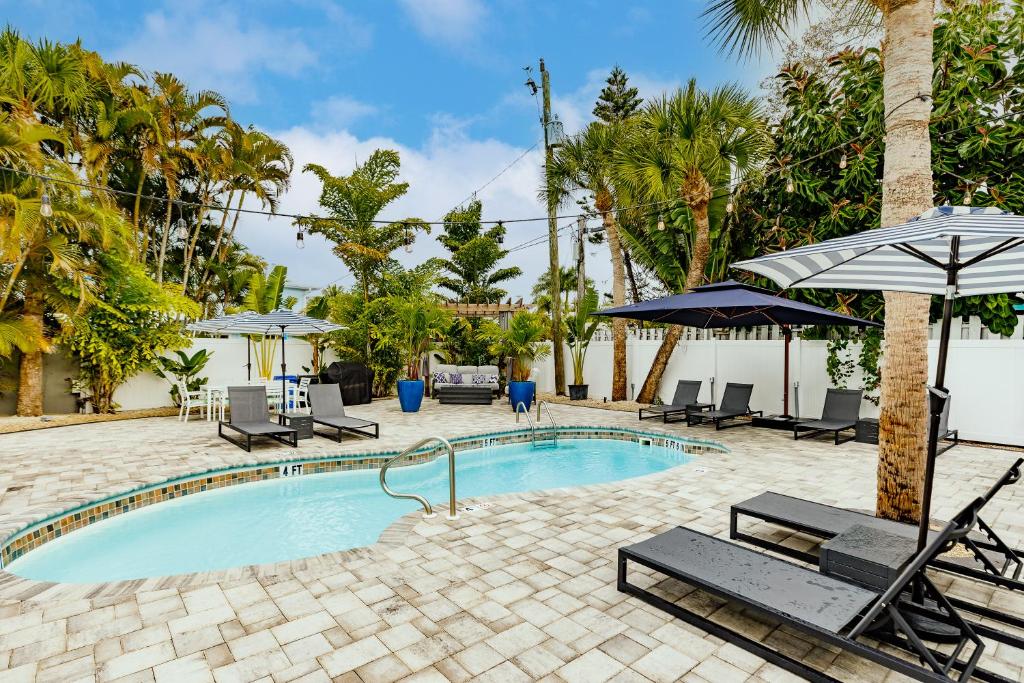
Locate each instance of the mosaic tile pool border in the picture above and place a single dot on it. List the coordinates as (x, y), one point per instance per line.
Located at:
(28, 538)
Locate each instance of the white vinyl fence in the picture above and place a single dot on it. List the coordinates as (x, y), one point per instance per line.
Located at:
(985, 374)
(226, 366)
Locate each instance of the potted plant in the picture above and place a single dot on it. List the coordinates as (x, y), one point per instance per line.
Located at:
(523, 342)
(581, 330)
(420, 321)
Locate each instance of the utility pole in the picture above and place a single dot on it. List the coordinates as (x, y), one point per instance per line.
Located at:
(581, 276)
(555, 284)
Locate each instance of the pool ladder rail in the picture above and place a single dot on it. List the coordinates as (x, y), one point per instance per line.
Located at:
(428, 511)
(552, 430)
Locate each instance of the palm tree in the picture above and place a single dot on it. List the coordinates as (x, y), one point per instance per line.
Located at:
(586, 162)
(45, 78)
(266, 294)
(907, 191)
(181, 116)
(680, 148)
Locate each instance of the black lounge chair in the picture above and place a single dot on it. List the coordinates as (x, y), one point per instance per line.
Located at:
(328, 409)
(999, 563)
(948, 438)
(829, 608)
(251, 417)
(841, 412)
(685, 396)
(735, 403)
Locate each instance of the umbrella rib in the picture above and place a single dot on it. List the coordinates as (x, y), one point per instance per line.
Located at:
(910, 250)
(835, 265)
(998, 249)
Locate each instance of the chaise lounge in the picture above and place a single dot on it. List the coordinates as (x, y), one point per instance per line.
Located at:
(251, 417)
(841, 412)
(328, 409)
(685, 396)
(829, 608)
(999, 563)
(735, 404)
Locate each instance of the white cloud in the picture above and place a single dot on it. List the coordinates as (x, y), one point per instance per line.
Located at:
(441, 173)
(224, 49)
(447, 21)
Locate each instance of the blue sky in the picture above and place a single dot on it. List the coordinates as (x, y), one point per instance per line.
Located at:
(439, 80)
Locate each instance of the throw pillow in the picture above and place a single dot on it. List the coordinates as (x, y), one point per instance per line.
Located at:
(456, 378)
(440, 377)
(481, 379)
(492, 379)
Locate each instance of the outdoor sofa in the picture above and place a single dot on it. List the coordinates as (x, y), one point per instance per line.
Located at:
(250, 417)
(841, 412)
(685, 396)
(462, 375)
(834, 610)
(328, 409)
(991, 559)
(735, 404)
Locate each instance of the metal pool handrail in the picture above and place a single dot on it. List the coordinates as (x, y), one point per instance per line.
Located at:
(428, 511)
(547, 410)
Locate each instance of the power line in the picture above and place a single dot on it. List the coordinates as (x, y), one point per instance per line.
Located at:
(500, 173)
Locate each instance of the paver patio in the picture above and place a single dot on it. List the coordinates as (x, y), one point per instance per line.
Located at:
(521, 590)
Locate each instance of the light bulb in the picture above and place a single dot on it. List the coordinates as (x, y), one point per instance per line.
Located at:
(408, 247)
(661, 222)
(45, 208)
(967, 198)
(181, 229)
(789, 185)
(729, 207)
(300, 240)
(501, 233)
(842, 161)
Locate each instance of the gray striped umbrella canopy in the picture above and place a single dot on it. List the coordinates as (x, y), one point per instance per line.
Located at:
(282, 321)
(985, 246)
(949, 250)
(250, 322)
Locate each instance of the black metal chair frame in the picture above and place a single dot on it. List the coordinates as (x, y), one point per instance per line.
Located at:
(679, 405)
(935, 666)
(279, 434)
(718, 416)
(815, 427)
(1008, 575)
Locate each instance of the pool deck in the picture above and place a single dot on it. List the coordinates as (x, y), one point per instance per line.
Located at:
(521, 590)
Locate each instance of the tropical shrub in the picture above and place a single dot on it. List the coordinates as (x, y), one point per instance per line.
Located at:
(185, 368)
(522, 341)
(581, 330)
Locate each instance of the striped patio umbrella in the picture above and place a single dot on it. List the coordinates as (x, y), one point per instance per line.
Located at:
(281, 321)
(948, 251)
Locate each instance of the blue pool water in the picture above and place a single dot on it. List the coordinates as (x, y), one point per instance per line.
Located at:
(290, 518)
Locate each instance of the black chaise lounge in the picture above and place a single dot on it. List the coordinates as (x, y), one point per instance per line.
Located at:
(251, 417)
(328, 410)
(842, 410)
(735, 403)
(686, 395)
(948, 438)
(831, 609)
(991, 560)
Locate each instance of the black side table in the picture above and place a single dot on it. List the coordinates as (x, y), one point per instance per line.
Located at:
(694, 410)
(302, 422)
(870, 556)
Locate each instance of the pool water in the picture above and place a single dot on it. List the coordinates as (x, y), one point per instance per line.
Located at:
(291, 518)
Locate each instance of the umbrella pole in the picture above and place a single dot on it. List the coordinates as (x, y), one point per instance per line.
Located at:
(248, 359)
(936, 402)
(284, 379)
(787, 336)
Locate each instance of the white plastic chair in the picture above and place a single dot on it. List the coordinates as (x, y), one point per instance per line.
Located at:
(189, 400)
(301, 394)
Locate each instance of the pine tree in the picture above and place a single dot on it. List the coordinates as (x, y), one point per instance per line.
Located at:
(617, 100)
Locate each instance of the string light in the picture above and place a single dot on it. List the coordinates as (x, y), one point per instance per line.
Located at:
(729, 207)
(661, 222)
(500, 239)
(408, 238)
(967, 197)
(45, 208)
(181, 229)
(789, 184)
(842, 161)
(300, 239)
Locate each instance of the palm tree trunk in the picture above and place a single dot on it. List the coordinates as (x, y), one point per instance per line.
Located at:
(619, 299)
(190, 250)
(163, 240)
(628, 262)
(217, 241)
(144, 244)
(234, 224)
(906, 192)
(30, 369)
(694, 277)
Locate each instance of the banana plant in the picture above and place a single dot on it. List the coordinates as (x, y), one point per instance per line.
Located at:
(185, 368)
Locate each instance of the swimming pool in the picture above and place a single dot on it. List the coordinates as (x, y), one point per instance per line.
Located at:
(290, 518)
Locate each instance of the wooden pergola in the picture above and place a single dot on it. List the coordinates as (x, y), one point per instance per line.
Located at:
(501, 311)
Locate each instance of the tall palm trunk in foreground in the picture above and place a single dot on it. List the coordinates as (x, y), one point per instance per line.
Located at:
(906, 192)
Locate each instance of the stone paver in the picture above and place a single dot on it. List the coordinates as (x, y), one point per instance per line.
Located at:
(520, 590)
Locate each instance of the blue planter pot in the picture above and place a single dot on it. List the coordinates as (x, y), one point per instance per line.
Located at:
(410, 394)
(521, 391)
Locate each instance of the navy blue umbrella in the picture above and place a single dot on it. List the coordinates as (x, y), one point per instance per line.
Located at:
(733, 304)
